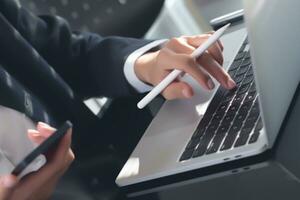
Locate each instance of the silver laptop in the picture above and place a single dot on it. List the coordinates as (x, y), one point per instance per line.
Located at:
(221, 126)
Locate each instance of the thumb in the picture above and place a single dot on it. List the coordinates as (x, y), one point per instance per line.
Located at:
(7, 184)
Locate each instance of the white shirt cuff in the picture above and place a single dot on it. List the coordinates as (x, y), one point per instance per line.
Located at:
(130, 75)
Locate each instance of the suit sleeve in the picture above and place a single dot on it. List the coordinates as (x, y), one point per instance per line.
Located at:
(92, 65)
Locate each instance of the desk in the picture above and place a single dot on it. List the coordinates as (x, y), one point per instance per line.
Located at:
(273, 175)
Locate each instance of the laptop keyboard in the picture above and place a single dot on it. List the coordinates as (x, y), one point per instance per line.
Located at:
(233, 117)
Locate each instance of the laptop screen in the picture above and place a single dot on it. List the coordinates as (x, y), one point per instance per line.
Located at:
(275, 45)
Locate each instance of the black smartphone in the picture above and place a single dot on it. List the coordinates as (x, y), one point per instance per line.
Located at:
(43, 148)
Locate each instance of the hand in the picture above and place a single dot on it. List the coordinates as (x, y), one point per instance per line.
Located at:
(153, 67)
(39, 185)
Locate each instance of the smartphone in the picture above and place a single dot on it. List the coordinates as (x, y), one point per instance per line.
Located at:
(233, 17)
(43, 148)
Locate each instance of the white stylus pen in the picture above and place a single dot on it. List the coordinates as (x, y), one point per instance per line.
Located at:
(175, 73)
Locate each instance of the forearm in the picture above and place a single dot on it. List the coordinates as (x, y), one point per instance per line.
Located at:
(91, 64)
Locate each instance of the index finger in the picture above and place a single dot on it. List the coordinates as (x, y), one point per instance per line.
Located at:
(56, 156)
(215, 50)
(189, 65)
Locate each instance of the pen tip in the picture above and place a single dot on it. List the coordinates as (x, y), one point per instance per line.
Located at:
(140, 106)
(227, 25)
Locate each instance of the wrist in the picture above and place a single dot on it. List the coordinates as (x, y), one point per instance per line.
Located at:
(143, 66)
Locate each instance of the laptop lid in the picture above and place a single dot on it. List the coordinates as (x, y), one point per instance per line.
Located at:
(274, 34)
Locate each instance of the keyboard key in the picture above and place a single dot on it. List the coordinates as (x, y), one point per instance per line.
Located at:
(243, 137)
(235, 65)
(200, 152)
(246, 131)
(229, 95)
(255, 109)
(212, 128)
(255, 135)
(233, 109)
(247, 80)
(193, 143)
(249, 72)
(216, 142)
(202, 126)
(235, 126)
(243, 89)
(238, 98)
(250, 121)
(204, 142)
(242, 48)
(228, 119)
(256, 104)
(230, 137)
(239, 78)
(253, 87)
(223, 107)
(254, 113)
(245, 108)
(240, 56)
(187, 154)
(252, 117)
(199, 133)
(217, 118)
(247, 55)
(248, 83)
(205, 120)
(246, 62)
(259, 125)
(223, 128)
(213, 105)
(242, 70)
(238, 85)
(250, 97)
(232, 72)
(241, 117)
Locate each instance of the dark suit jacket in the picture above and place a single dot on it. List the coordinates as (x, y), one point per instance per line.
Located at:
(61, 67)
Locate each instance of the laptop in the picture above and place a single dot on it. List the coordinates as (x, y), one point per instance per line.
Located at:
(224, 125)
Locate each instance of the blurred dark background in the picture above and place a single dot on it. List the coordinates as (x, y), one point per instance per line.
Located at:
(130, 18)
(92, 177)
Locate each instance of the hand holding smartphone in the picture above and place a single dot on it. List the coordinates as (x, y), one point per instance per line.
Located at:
(43, 148)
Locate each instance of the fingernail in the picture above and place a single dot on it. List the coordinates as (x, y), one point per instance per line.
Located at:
(43, 124)
(210, 84)
(231, 83)
(8, 182)
(46, 126)
(34, 135)
(186, 93)
(33, 132)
